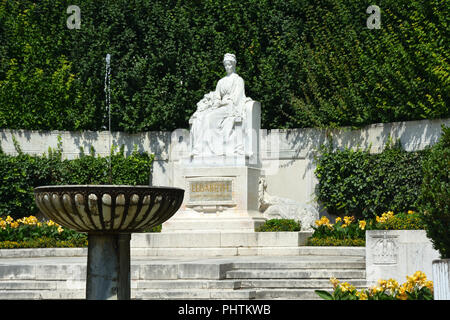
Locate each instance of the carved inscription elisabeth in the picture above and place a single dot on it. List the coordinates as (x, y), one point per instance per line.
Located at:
(210, 190)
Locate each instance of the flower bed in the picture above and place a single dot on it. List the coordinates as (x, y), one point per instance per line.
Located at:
(348, 231)
(28, 232)
(417, 287)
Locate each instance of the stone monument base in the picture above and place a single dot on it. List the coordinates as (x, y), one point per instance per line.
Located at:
(217, 199)
(209, 244)
(198, 223)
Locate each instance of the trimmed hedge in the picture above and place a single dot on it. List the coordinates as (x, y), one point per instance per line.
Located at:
(333, 242)
(22, 173)
(355, 182)
(309, 63)
(44, 243)
(402, 221)
(435, 195)
(273, 225)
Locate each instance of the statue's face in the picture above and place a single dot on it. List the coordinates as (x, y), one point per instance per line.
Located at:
(229, 66)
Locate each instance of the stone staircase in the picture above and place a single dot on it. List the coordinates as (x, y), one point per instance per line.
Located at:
(230, 278)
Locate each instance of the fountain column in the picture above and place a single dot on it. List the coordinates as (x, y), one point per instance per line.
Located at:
(108, 267)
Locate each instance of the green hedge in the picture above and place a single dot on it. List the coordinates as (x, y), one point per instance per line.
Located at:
(22, 173)
(309, 63)
(402, 221)
(273, 225)
(44, 243)
(355, 182)
(435, 195)
(333, 242)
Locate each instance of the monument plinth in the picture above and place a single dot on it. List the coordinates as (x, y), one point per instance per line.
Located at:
(221, 169)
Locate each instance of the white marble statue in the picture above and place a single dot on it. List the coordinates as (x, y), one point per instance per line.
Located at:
(274, 207)
(212, 125)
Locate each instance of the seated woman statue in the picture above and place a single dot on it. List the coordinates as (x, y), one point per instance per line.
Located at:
(212, 125)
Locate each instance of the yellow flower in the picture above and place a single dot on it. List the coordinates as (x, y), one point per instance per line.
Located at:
(429, 285)
(31, 220)
(420, 276)
(402, 293)
(337, 219)
(50, 223)
(362, 224)
(382, 283)
(60, 229)
(410, 212)
(335, 282)
(9, 219)
(14, 224)
(375, 289)
(324, 221)
(3, 224)
(392, 284)
(385, 216)
(361, 295)
(347, 287)
(348, 220)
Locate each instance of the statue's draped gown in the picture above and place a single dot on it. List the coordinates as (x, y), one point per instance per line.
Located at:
(219, 137)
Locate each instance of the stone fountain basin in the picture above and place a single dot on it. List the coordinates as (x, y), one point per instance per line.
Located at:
(108, 208)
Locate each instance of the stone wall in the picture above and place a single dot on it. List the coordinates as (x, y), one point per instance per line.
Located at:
(398, 253)
(286, 155)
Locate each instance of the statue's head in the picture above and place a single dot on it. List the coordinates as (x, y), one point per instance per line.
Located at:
(229, 62)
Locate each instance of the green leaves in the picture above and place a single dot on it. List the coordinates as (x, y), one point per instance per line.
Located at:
(356, 182)
(324, 294)
(20, 174)
(272, 225)
(310, 64)
(435, 194)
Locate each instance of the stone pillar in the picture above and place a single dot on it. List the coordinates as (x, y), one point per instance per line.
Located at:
(441, 279)
(108, 267)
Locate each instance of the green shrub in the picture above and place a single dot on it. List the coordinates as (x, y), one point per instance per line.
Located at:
(335, 242)
(435, 196)
(44, 243)
(133, 169)
(355, 182)
(402, 221)
(279, 225)
(157, 228)
(28, 232)
(29, 228)
(22, 173)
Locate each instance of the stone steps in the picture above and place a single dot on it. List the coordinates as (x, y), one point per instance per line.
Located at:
(180, 294)
(231, 278)
(296, 274)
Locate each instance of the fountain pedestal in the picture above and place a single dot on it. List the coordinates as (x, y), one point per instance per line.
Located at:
(109, 214)
(108, 267)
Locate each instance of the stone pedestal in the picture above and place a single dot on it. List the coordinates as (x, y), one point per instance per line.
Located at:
(217, 199)
(441, 279)
(221, 177)
(398, 253)
(108, 267)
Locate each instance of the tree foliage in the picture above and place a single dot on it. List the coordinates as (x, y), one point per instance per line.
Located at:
(356, 182)
(310, 64)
